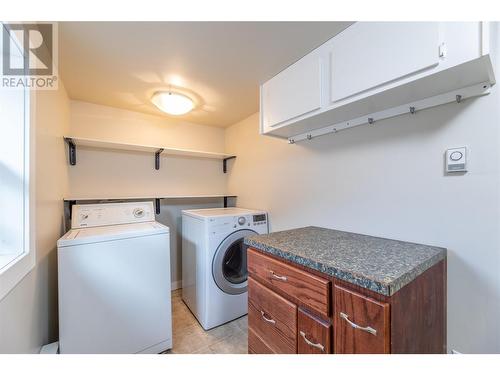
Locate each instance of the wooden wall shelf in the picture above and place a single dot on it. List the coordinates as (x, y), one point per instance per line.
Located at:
(70, 201)
(156, 150)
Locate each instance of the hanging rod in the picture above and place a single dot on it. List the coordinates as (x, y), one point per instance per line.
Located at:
(457, 96)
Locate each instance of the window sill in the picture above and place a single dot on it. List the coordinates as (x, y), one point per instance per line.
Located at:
(13, 268)
(7, 260)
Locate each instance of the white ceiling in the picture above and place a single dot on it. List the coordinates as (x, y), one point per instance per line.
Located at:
(219, 64)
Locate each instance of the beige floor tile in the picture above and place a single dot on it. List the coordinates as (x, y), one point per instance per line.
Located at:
(242, 323)
(190, 338)
(234, 344)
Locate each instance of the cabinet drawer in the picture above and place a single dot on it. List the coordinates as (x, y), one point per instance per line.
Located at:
(256, 345)
(361, 324)
(315, 335)
(272, 318)
(311, 290)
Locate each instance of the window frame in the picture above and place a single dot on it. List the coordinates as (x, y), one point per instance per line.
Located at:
(13, 272)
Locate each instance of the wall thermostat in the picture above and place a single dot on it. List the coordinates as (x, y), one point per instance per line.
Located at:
(456, 160)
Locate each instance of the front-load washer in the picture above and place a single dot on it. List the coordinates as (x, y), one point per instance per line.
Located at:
(114, 281)
(214, 262)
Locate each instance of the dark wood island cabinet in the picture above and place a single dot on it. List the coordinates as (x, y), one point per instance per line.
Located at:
(298, 306)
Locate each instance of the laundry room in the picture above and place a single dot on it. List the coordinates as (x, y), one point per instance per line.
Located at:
(274, 186)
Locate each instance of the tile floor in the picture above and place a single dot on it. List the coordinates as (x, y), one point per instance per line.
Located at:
(190, 338)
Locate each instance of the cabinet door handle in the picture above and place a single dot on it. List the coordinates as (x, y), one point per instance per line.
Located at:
(310, 343)
(278, 277)
(354, 325)
(272, 321)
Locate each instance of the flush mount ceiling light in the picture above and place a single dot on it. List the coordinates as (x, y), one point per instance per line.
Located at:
(172, 103)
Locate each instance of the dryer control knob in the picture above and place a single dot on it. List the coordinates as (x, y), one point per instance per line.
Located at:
(242, 220)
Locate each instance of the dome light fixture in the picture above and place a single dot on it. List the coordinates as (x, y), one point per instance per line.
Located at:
(172, 103)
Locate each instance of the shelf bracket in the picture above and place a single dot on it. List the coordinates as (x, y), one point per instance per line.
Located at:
(157, 158)
(224, 163)
(71, 151)
(157, 206)
(225, 202)
(70, 207)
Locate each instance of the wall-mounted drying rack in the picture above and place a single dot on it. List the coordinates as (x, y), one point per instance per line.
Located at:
(457, 96)
(69, 202)
(74, 142)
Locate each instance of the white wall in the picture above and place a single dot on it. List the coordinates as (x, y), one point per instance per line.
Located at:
(107, 173)
(28, 314)
(387, 180)
(110, 173)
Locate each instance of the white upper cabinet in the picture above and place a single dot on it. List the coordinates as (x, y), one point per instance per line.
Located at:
(367, 55)
(294, 92)
(376, 70)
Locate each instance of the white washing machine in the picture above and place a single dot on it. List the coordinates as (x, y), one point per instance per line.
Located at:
(114, 281)
(214, 262)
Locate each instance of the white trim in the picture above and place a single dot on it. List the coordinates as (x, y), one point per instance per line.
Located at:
(485, 38)
(52, 348)
(11, 275)
(177, 284)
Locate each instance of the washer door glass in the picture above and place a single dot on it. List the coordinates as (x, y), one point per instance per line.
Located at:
(229, 267)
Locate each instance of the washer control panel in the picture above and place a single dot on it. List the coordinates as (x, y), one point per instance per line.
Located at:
(96, 215)
(250, 221)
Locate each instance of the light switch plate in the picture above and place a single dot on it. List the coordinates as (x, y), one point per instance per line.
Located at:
(456, 160)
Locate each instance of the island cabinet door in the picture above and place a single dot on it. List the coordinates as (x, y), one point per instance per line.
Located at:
(361, 324)
(314, 334)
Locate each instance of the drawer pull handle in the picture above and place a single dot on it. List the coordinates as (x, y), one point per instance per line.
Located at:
(354, 325)
(310, 343)
(278, 277)
(272, 321)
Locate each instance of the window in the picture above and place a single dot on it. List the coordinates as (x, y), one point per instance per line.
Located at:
(16, 243)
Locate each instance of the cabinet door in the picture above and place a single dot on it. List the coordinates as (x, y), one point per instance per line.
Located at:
(293, 92)
(369, 54)
(361, 324)
(273, 320)
(315, 334)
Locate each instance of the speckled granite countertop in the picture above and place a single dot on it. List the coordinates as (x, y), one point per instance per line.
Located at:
(374, 263)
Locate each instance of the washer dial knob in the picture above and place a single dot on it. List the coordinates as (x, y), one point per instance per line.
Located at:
(138, 212)
(242, 220)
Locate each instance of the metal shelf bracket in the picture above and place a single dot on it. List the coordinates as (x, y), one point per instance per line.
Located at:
(71, 151)
(224, 163)
(157, 158)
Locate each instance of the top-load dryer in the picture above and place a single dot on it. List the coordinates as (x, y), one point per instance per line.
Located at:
(214, 261)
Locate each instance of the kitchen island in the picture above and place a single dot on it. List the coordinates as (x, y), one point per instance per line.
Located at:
(317, 290)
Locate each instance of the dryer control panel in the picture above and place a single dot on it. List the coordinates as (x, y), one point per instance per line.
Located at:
(94, 215)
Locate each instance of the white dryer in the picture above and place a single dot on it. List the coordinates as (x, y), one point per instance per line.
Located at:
(214, 262)
(114, 281)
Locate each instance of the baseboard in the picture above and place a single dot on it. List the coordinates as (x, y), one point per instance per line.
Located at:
(176, 284)
(52, 348)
